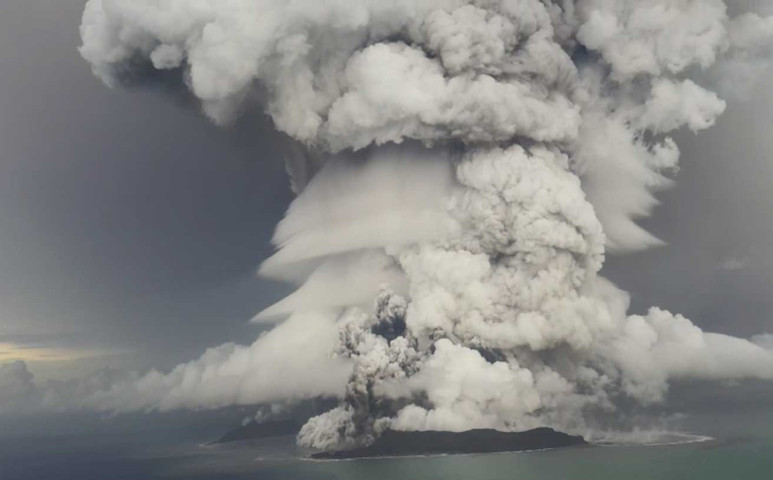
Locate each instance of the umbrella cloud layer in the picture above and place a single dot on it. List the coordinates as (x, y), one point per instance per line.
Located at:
(462, 168)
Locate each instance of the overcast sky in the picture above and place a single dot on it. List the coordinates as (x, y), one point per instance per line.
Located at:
(131, 227)
(128, 224)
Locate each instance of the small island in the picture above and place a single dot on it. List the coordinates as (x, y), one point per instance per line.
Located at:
(394, 443)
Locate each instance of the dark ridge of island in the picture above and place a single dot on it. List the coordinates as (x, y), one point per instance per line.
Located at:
(255, 430)
(394, 443)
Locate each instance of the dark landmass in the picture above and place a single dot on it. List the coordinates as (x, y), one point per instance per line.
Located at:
(399, 444)
(255, 430)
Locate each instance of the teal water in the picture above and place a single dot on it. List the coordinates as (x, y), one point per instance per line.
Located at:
(742, 449)
(740, 461)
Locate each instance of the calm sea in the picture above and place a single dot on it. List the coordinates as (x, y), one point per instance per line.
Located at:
(742, 448)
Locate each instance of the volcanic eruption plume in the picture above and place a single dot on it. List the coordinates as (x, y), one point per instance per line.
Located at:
(462, 166)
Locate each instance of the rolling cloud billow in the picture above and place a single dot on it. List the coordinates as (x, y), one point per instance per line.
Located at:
(462, 168)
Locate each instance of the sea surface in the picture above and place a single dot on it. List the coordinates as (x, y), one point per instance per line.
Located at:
(740, 447)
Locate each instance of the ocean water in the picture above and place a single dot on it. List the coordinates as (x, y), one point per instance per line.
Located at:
(741, 448)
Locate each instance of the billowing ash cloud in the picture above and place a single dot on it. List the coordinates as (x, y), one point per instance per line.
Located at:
(476, 160)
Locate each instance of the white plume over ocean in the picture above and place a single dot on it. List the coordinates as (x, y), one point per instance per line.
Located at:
(476, 160)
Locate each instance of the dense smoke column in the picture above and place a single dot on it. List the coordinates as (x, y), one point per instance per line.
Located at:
(476, 159)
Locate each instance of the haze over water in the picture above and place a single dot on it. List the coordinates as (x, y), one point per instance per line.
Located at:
(742, 449)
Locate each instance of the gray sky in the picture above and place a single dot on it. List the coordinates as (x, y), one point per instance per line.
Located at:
(717, 268)
(131, 226)
(128, 223)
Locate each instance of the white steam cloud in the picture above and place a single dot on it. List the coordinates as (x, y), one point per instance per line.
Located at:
(480, 157)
